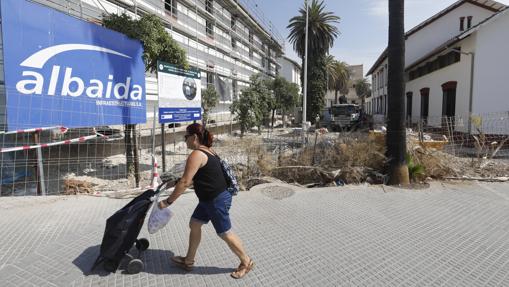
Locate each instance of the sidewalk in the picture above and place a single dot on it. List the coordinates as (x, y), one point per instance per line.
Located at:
(450, 234)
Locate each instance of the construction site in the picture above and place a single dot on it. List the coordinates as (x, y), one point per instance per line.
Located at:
(96, 163)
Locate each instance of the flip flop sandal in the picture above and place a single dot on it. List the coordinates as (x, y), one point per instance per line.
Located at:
(182, 264)
(242, 270)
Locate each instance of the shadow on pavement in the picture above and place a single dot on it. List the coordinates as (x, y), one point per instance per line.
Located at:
(156, 261)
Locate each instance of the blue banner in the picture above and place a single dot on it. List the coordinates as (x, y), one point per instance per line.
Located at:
(60, 70)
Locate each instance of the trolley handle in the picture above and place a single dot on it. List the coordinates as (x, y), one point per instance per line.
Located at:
(167, 184)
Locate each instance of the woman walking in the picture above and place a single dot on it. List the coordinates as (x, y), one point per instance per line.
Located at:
(203, 170)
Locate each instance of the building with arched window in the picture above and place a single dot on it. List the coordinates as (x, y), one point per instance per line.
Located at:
(456, 66)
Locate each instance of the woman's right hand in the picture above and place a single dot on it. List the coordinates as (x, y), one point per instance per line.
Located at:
(163, 204)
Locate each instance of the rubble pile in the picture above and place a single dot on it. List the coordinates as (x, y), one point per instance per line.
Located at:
(328, 159)
(352, 159)
(74, 186)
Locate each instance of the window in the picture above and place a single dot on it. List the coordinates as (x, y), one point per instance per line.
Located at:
(435, 65)
(462, 23)
(424, 104)
(469, 22)
(386, 76)
(209, 29)
(210, 78)
(421, 71)
(209, 6)
(250, 37)
(409, 107)
(171, 7)
(439, 63)
(442, 61)
(412, 75)
(234, 43)
(235, 89)
(449, 102)
(233, 22)
(385, 105)
(251, 53)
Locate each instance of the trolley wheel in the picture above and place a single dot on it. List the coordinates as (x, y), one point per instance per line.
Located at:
(127, 258)
(110, 266)
(135, 266)
(142, 244)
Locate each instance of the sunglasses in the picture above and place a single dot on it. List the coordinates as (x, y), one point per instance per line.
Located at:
(187, 136)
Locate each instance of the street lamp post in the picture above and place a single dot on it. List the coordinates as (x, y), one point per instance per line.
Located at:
(304, 101)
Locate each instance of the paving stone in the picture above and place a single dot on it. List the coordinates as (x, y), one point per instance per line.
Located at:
(448, 235)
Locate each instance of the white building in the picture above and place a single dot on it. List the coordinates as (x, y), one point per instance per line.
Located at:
(468, 40)
(290, 70)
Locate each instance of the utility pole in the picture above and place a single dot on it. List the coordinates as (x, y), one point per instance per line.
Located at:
(304, 100)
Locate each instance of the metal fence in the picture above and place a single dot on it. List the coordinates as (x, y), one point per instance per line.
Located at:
(57, 160)
(94, 159)
(484, 136)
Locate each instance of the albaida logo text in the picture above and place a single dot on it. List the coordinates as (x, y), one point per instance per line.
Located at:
(63, 80)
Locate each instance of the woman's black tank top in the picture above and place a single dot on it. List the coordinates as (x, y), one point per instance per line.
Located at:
(209, 180)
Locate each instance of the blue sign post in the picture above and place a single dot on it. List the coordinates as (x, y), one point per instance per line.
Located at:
(60, 70)
(179, 94)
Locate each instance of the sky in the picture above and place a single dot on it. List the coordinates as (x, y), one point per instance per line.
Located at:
(363, 25)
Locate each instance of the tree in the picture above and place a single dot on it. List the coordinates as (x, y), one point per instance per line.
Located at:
(209, 99)
(316, 87)
(157, 45)
(396, 133)
(286, 95)
(362, 89)
(338, 76)
(265, 99)
(253, 105)
(243, 110)
(322, 32)
(270, 102)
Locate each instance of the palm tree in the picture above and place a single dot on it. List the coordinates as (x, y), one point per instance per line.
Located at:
(322, 32)
(396, 133)
(338, 76)
(330, 71)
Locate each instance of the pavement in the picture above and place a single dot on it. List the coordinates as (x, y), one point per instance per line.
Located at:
(450, 234)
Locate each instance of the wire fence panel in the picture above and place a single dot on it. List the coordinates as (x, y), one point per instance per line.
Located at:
(90, 160)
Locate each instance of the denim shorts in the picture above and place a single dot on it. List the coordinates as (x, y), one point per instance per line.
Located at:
(217, 211)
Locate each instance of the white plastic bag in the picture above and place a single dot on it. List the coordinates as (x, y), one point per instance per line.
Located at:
(158, 217)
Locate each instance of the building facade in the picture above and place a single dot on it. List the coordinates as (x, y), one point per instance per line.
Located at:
(221, 38)
(455, 65)
(291, 71)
